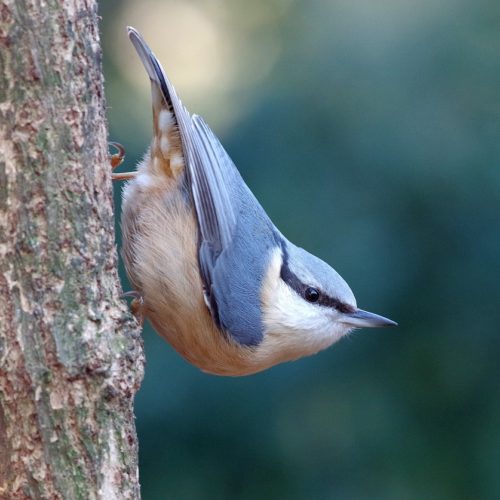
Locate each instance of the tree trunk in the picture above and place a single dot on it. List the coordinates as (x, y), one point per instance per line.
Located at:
(70, 354)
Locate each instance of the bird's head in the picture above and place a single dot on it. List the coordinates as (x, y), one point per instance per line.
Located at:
(306, 305)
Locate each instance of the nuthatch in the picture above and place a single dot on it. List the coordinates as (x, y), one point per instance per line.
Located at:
(216, 278)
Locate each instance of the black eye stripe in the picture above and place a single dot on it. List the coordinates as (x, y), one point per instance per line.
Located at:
(323, 300)
(335, 303)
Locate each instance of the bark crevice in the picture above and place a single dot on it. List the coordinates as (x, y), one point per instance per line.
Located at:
(71, 356)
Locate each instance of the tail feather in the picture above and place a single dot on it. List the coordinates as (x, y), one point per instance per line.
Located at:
(166, 151)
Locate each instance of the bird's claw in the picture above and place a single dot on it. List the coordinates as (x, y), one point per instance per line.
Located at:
(136, 304)
(116, 160)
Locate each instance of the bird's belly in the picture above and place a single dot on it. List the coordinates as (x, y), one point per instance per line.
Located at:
(159, 249)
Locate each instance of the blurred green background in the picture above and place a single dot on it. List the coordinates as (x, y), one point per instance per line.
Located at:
(370, 132)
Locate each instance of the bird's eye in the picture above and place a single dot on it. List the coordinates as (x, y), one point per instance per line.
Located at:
(311, 294)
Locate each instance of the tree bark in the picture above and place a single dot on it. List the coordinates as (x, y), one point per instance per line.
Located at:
(70, 354)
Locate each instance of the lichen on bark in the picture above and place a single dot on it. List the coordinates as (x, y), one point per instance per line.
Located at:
(70, 354)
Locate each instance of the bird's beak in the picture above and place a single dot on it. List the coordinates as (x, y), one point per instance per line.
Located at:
(365, 319)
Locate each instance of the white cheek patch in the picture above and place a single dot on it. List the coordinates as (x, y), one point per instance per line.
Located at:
(293, 325)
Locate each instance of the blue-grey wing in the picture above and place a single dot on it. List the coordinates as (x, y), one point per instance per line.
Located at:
(237, 238)
(235, 233)
(214, 184)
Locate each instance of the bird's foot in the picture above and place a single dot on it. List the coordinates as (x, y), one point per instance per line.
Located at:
(116, 160)
(136, 304)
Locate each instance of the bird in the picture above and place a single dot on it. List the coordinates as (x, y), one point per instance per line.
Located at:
(209, 269)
